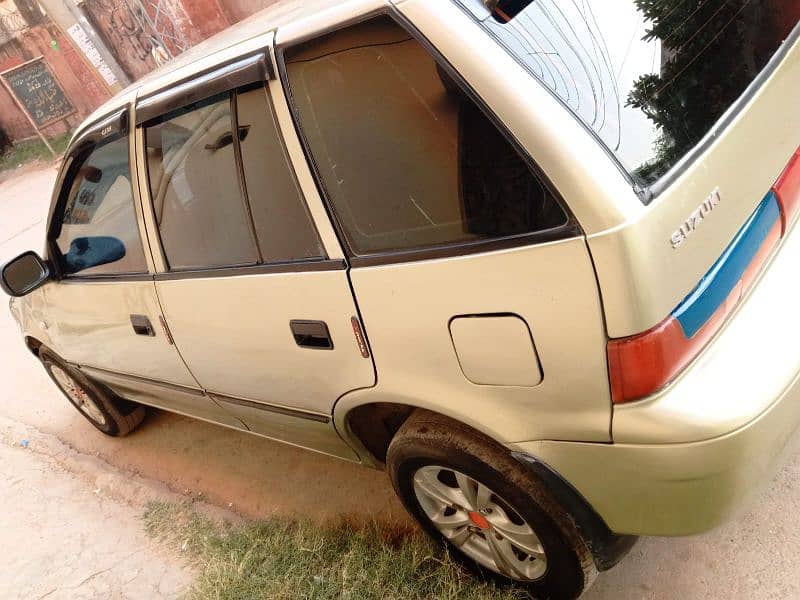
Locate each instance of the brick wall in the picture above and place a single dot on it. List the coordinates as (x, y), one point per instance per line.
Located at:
(206, 17)
(238, 10)
(81, 85)
(199, 20)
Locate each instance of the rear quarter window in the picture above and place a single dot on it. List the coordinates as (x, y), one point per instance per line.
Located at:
(407, 158)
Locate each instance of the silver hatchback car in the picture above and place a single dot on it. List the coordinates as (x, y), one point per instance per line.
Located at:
(536, 259)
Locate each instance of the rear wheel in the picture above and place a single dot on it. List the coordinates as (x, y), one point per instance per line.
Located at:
(108, 412)
(471, 496)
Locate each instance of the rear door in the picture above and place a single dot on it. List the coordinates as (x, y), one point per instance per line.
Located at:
(260, 308)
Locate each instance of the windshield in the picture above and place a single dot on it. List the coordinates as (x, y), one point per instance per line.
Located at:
(649, 77)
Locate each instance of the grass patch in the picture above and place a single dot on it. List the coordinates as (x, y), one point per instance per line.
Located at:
(283, 559)
(25, 152)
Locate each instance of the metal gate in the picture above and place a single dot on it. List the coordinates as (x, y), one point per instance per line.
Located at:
(142, 34)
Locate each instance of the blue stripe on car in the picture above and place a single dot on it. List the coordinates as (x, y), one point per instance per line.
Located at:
(697, 308)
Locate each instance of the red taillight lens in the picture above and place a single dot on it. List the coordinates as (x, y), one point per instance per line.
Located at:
(787, 189)
(643, 364)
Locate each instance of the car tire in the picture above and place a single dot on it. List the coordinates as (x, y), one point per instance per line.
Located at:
(487, 505)
(105, 410)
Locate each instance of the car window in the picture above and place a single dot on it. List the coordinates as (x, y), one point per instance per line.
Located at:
(407, 158)
(194, 186)
(650, 78)
(282, 223)
(99, 232)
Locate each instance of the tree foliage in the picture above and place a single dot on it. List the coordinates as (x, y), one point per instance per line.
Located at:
(711, 51)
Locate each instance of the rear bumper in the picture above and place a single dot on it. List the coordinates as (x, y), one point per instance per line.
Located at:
(684, 460)
(676, 489)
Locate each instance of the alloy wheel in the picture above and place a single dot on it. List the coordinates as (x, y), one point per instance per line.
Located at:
(78, 395)
(480, 523)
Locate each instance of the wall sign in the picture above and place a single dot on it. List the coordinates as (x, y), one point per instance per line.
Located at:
(37, 91)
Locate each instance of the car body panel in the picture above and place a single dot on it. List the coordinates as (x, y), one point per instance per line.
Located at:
(31, 313)
(244, 348)
(677, 489)
(687, 459)
(184, 400)
(739, 375)
(676, 463)
(76, 333)
(407, 309)
(476, 341)
(312, 431)
(220, 331)
(642, 277)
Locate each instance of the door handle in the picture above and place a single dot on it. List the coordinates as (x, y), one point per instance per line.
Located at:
(142, 326)
(312, 334)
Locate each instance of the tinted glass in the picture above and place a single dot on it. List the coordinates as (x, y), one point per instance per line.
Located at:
(99, 232)
(406, 157)
(282, 222)
(195, 190)
(651, 78)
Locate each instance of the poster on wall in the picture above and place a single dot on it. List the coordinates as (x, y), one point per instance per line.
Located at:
(78, 34)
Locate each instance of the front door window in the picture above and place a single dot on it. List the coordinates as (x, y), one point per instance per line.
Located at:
(99, 232)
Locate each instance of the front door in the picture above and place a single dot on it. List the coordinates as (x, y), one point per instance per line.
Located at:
(261, 313)
(103, 313)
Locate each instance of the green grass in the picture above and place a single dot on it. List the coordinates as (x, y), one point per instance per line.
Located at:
(28, 151)
(283, 559)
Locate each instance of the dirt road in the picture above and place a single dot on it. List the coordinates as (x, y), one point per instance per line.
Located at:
(62, 539)
(754, 557)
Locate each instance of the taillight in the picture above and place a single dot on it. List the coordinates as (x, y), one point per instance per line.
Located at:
(642, 364)
(787, 189)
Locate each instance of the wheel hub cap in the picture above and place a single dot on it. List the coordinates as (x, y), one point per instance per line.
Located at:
(78, 395)
(479, 520)
(480, 523)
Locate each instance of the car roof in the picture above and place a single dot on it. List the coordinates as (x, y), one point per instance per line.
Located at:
(264, 21)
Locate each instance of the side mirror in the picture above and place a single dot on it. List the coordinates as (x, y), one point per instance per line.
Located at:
(24, 274)
(88, 252)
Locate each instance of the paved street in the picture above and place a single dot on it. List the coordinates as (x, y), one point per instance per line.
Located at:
(50, 515)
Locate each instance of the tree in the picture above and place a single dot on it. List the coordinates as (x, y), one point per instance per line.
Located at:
(711, 51)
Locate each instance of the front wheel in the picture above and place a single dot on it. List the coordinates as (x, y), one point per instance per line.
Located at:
(471, 496)
(109, 413)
